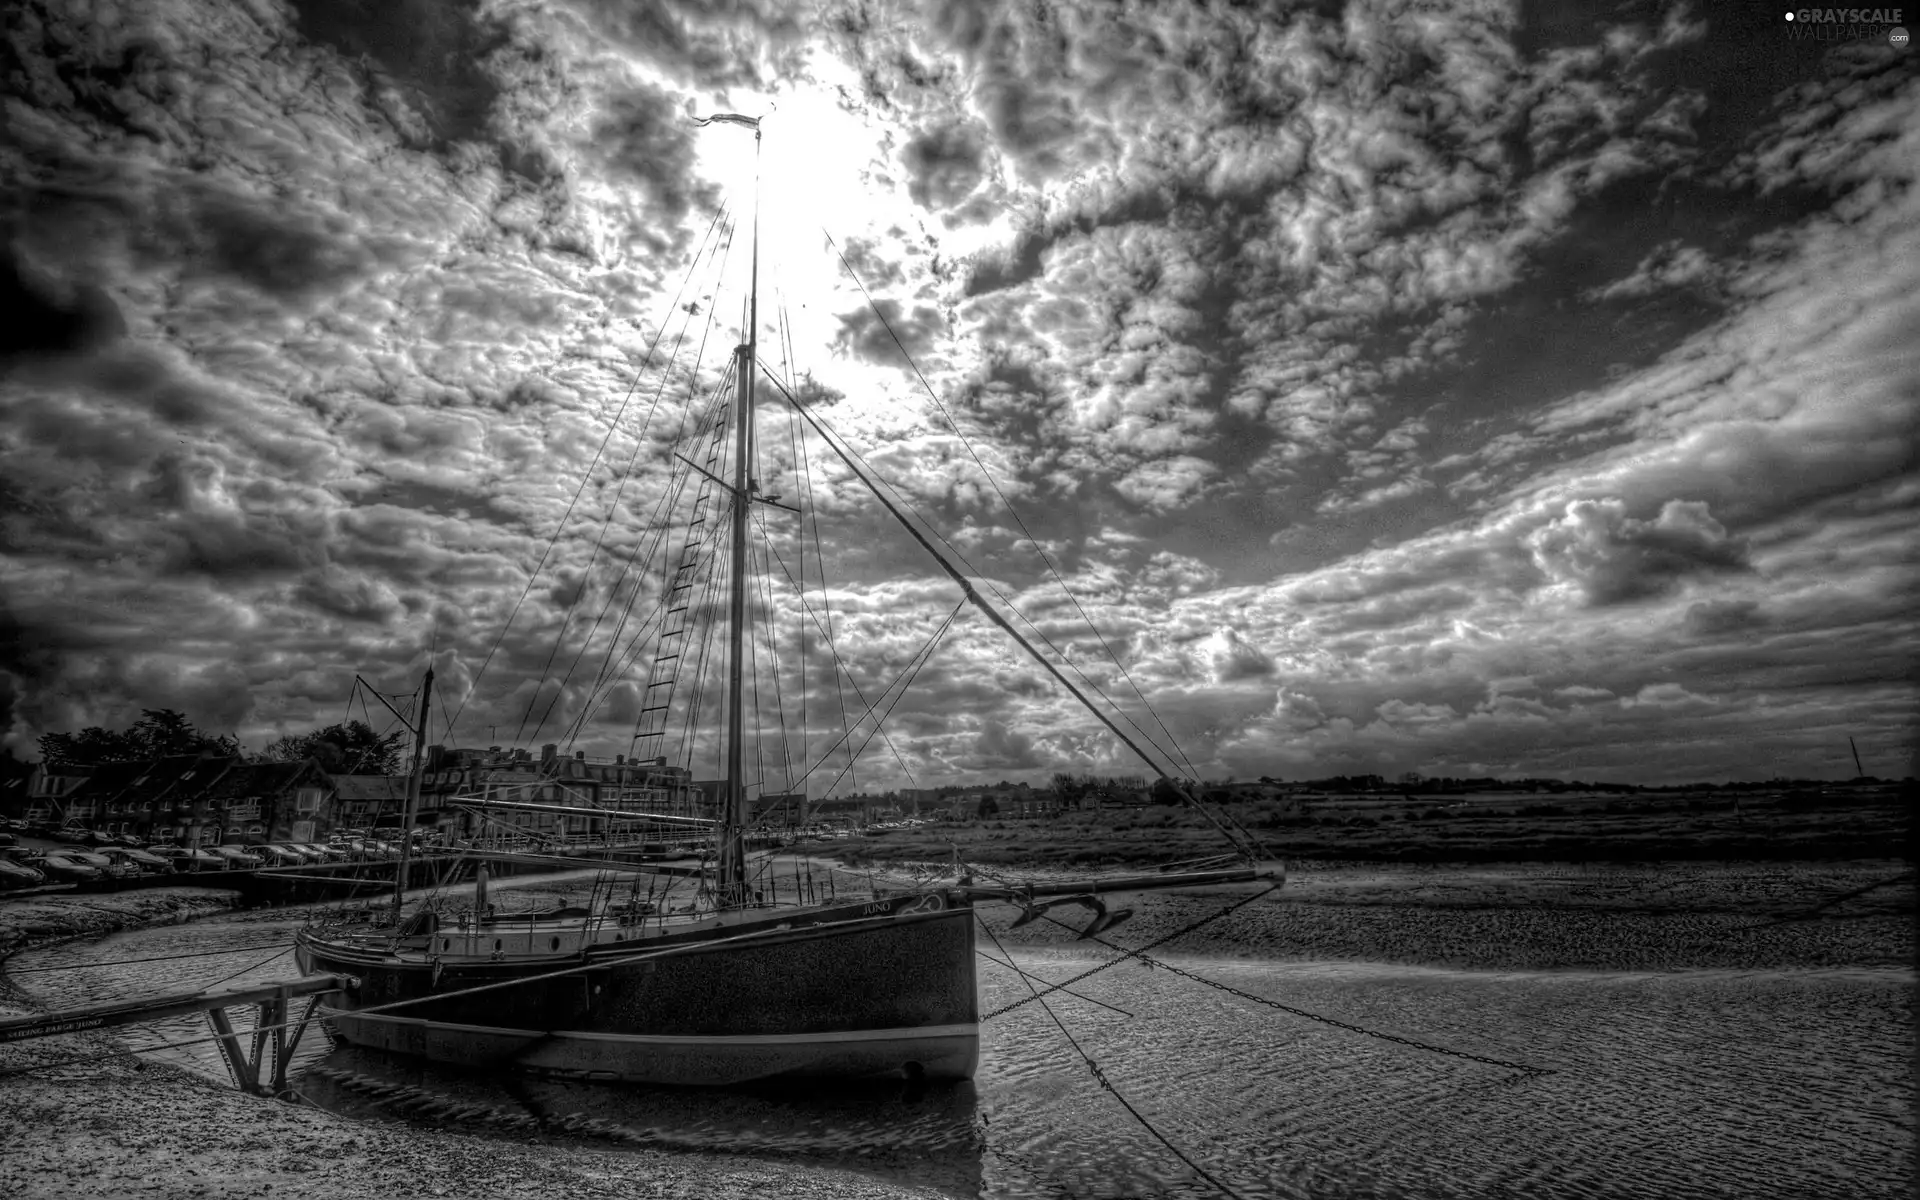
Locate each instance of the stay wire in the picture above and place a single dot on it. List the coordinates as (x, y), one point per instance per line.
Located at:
(905, 681)
(681, 475)
(926, 530)
(773, 655)
(690, 551)
(585, 476)
(612, 508)
(1011, 511)
(833, 652)
(599, 541)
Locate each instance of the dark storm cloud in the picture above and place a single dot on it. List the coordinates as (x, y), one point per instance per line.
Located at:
(429, 51)
(1614, 558)
(864, 332)
(645, 139)
(80, 210)
(944, 166)
(713, 46)
(1710, 617)
(283, 249)
(43, 317)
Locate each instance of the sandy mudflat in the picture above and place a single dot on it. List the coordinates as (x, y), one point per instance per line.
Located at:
(119, 1127)
(1532, 916)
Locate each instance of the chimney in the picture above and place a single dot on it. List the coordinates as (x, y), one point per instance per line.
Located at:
(548, 751)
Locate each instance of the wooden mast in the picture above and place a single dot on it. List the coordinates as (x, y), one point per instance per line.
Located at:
(413, 796)
(733, 814)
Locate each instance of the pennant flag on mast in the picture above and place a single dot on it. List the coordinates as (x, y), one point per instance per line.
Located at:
(731, 119)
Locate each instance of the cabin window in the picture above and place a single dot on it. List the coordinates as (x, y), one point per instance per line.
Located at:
(446, 944)
(496, 943)
(556, 943)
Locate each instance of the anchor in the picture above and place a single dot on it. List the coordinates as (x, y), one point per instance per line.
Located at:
(1102, 919)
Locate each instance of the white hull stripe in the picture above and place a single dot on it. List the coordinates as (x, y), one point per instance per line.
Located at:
(676, 1042)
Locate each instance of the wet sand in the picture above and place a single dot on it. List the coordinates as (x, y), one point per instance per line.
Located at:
(118, 1127)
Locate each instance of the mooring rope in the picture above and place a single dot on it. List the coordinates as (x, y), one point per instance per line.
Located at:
(1163, 965)
(1100, 1076)
(120, 962)
(1126, 954)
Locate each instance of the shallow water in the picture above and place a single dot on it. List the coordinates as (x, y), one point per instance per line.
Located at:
(1702, 1083)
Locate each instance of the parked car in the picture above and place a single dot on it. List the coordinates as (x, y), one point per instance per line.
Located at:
(140, 860)
(62, 867)
(7, 839)
(19, 875)
(280, 855)
(238, 857)
(186, 858)
(73, 834)
(103, 864)
(324, 853)
(93, 837)
(132, 841)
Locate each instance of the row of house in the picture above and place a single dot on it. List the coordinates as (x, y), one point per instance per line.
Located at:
(205, 799)
(210, 800)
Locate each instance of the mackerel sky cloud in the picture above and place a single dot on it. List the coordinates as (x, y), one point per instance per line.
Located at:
(1472, 389)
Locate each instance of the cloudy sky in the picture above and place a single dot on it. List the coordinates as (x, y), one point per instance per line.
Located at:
(1469, 388)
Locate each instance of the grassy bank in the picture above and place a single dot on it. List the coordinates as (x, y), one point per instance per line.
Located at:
(1781, 826)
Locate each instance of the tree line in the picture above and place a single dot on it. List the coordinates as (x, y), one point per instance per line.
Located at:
(347, 748)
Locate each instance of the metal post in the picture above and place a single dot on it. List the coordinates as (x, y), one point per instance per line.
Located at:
(242, 1071)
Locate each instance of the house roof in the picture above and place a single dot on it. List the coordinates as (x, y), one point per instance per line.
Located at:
(258, 779)
(149, 780)
(370, 787)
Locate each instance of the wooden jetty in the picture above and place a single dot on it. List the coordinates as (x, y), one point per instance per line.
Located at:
(274, 1032)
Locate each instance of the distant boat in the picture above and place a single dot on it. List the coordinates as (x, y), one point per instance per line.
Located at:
(732, 985)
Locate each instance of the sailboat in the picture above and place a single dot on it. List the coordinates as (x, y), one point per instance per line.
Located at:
(741, 986)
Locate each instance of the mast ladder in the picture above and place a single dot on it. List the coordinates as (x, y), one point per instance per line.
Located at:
(656, 700)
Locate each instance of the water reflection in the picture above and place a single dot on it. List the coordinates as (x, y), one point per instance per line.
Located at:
(1695, 1083)
(926, 1135)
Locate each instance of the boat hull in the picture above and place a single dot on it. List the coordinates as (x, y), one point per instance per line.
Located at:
(872, 994)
